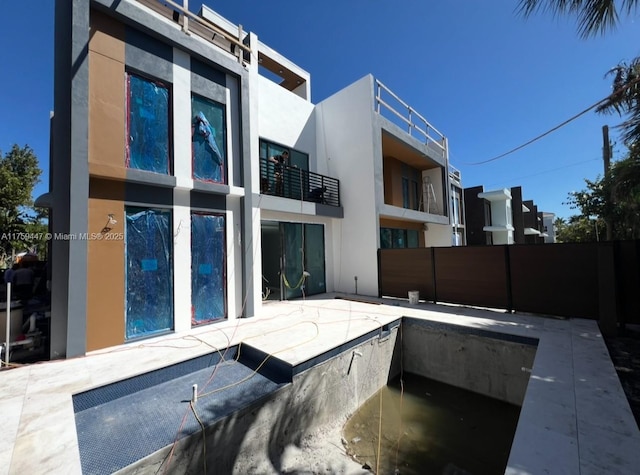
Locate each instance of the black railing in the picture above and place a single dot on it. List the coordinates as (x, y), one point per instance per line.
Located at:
(297, 184)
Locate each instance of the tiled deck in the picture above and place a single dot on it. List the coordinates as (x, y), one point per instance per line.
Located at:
(575, 418)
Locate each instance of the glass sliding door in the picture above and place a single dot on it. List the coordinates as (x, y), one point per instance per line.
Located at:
(292, 250)
(149, 275)
(303, 251)
(207, 268)
(314, 256)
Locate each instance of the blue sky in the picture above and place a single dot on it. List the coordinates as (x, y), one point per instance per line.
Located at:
(488, 79)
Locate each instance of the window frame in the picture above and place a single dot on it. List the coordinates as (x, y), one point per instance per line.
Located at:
(169, 87)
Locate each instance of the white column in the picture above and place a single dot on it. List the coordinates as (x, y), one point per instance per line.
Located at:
(182, 119)
(181, 259)
(181, 198)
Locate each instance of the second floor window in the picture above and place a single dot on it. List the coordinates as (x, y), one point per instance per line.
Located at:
(148, 125)
(208, 140)
(410, 187)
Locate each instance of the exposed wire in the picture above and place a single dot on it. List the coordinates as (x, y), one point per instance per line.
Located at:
(601, 102)
(269, 355)
(378, 456)
(204, 438)
(400, 434)
(546, 171)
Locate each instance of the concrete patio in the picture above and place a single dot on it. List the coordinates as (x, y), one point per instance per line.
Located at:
(575, 418)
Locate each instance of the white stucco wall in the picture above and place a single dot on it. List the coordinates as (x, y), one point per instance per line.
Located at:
(438, 235)
(351, 147)
(181, 106)
(287, 119)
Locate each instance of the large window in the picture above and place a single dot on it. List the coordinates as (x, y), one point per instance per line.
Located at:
(149, 276)
(410, 187)
(285, 181)
(393, 238)
(148, 125)
(209, 140)
(207, 267)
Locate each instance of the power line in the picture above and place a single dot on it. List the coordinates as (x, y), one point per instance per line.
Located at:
(546, 171)
(562, 124)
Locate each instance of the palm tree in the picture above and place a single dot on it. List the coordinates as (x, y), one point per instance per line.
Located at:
(594, 16)
(598, 17)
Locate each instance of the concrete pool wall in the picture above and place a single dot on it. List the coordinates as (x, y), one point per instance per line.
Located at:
(323, 389)
(486, 362)
(575, 418)
(332, 386)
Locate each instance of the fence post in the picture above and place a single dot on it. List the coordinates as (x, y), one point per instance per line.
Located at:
(507, 266)
(607, 299)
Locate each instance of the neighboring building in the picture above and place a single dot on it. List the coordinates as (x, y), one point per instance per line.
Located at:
(457, 207)
(167, 210)
(549, 228)
(501, 217)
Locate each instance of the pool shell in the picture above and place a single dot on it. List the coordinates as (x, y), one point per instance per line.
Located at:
(295, 400)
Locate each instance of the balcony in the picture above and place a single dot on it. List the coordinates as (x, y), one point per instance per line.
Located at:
(297, 184)
(216, 30)
(394, 109)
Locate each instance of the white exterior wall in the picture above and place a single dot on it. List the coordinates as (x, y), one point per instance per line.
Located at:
(353, 153)
(181, 105)
(501, 216)
(234, 257)
(547, 220)
(287, 119)
(438, 235)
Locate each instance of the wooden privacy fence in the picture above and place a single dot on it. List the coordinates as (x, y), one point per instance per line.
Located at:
(590, 280)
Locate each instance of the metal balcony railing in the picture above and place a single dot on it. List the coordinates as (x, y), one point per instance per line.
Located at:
(234, 43)
(405, 116)
(297, 184)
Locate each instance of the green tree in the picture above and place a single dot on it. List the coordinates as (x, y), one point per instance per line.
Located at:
(598, 17)
(594, 16)
(614, 199)
(579, 229)
(19, 174)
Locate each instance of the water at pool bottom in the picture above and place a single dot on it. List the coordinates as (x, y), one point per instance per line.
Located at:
(434, 428)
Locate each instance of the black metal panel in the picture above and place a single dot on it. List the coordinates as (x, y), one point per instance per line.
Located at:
(295, 183)
(472, 276)
(556, 279)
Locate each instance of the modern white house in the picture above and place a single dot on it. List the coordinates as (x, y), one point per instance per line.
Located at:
(549, 228)
(502, 217)
(501, 224)
(168, 141)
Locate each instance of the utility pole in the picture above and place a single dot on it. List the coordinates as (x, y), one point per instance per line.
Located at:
(606, 157)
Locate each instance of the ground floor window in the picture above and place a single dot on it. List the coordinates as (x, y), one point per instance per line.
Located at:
(149, 275)
(392, 238)
(207, 268)
(293, 259)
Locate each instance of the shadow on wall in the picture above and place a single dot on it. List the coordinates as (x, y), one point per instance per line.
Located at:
(259, 438)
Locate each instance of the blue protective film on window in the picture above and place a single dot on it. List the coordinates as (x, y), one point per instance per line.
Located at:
(149, 275)
(208, 140)
(147, 125)
(207, 267)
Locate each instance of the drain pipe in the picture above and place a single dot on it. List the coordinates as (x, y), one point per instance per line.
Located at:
(194, 393)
